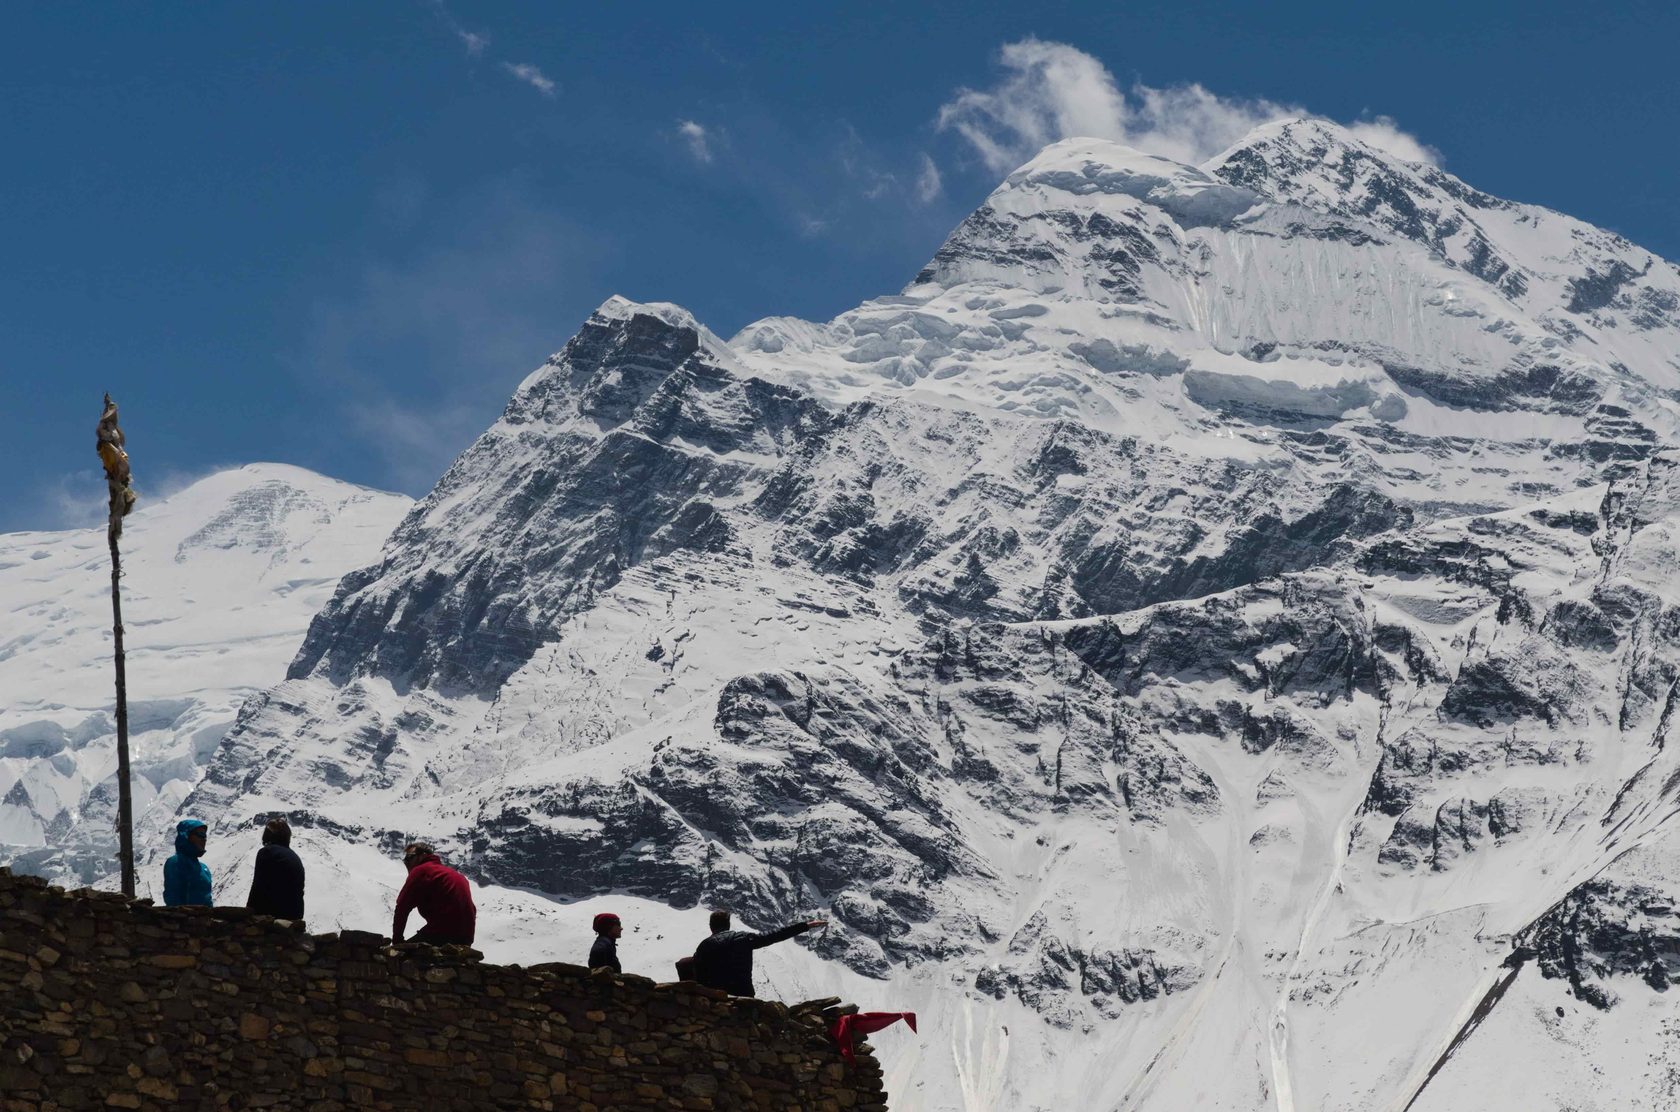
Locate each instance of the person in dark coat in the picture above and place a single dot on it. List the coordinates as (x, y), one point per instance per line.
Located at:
(441, 896)
(725, 960)
(277, 884)
(605, 951)
(186, 879)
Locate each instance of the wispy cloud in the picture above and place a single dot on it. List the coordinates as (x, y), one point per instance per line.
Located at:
(78, 500)
(532, 76)
(864, 166)
(929, 185)
(1053, 91)
(697, 138)
(419, 348)
(828, 182)
(417, 442)
(1384, 134)
(475, 42)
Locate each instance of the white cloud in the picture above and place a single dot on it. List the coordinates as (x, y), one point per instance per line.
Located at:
(1053, 91)
(1384, 134)
(929, 185)
(474, 41)
(532, 76)
(698, 141)
(1189, 124)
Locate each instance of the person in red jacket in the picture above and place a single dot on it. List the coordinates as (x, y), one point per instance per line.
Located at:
(441, 896)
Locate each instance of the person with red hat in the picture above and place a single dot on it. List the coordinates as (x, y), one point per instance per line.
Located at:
(604, 954)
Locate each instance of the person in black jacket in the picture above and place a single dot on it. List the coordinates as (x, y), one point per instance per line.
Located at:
(277, 885)
(604, 954)
(725, 960)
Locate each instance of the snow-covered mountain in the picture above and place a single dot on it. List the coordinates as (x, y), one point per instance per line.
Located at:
(220, 581)
(1210, 642)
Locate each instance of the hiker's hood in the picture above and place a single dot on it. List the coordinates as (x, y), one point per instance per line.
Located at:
(183, 830)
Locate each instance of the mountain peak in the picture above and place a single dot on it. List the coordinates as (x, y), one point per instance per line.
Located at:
(621, 309)
(618, 307)
(1086, 167)
(1086, 150)
(1325, 167)
(1327, 141)
(221, 485)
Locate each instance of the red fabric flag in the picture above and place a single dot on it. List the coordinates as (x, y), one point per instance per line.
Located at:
(847, 1028)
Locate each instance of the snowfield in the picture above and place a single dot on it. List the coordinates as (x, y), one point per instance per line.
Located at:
(220, 581)
(1210, 641)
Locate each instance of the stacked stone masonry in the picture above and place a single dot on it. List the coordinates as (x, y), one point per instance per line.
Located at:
(111, 1003)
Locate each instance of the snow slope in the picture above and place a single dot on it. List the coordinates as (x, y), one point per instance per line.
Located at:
(1209, 642)
(220, 581)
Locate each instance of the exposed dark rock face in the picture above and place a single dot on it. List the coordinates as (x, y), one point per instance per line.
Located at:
(609, 455)
(1608, 927)
(1263, 549)
(1596, 290)
(986, 226)
(1458, 827)
(1043, 971)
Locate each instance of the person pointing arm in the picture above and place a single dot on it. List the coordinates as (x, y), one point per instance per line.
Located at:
(725, 960)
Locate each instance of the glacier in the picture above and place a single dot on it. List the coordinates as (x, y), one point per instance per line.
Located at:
(220, 581)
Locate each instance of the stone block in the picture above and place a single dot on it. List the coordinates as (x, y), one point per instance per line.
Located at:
(419, 1056)
(157, 1087)
(172, 961)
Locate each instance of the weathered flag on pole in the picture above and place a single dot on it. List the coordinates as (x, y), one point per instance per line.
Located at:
(117, 479)
(115, 459)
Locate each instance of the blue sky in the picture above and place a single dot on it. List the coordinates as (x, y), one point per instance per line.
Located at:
(338, 235)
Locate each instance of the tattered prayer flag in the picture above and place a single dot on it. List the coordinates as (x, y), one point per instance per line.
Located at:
(847, 1028)
(115, 458)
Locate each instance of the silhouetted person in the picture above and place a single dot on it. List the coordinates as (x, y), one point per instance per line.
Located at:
(441, 896)
(186, 879)
(725, 960)
(277, 883)
(605, 951)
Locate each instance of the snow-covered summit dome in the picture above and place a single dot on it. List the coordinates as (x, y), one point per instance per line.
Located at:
(1097, 167)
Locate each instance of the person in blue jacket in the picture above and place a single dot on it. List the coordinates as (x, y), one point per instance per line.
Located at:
(186, 880)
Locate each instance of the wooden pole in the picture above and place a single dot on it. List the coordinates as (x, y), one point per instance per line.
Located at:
(115, 459)
(125, 800)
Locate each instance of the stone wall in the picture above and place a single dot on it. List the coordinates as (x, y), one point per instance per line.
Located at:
(112, 1003)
